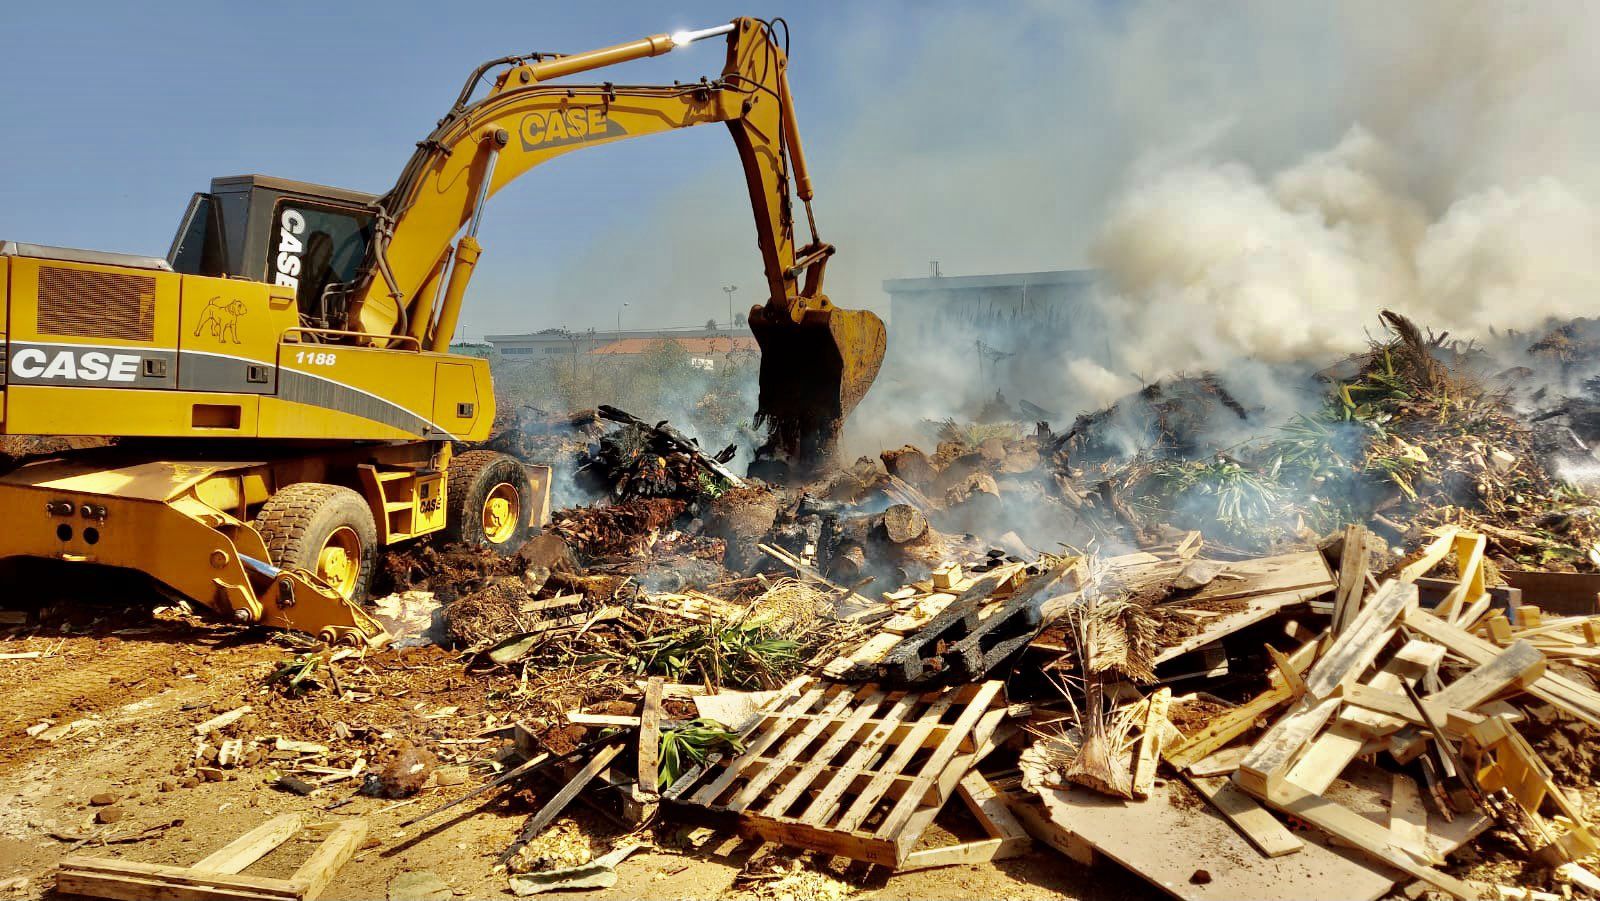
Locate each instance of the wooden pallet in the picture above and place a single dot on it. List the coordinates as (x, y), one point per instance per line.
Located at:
(854, 770)
(217, 877)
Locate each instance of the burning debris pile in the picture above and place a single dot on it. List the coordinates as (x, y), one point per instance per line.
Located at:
(1408, 436)
(1332, 651)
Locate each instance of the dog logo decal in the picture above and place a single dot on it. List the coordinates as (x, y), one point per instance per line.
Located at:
(221, 320)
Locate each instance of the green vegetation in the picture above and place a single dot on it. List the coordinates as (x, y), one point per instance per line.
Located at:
(736, 655)
(687, 745)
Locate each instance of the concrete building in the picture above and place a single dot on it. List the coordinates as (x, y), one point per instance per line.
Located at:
(1013, 332)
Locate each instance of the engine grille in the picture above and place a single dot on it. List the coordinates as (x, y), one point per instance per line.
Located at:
(80, 303)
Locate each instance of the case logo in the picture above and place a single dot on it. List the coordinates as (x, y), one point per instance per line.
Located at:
(569, 126)
(69, 365)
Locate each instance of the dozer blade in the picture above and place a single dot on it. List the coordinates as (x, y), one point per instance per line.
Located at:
(121, 510)
(813, 373)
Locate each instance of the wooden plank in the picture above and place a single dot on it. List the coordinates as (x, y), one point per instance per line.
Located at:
(335, 851)
(1254, 822)
(1352, 579)
(602, 720)
(1469, 590)
(871, 651)
(1418, 659)
(983, 850)
(552, 808)
(989, 808)
(134, 881)
(1031, 815)
(1226, 727)
(1144, 765)
(1006, 836)
(1239, 720)
(791, 748)
(931, 768)
(647, 789)
(1165, 839)
(820, 838)
(1520, 664)
(841, 737)
(1429, 557)
(1264, 768)
(1291, 676)
(1326, 758)
(1408, 819)
(822, 807)
(920, 614)
(1355, 649)
(1298, 570)
(251, 846)
(768, 734)
(1366, 836)
(1256, 609)
(1220, 763)
(1581, 702)
(149, 888)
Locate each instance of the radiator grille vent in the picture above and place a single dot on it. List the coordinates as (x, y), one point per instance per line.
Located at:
(79, 303)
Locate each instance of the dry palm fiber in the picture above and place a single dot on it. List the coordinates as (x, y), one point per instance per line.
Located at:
(1109, 636)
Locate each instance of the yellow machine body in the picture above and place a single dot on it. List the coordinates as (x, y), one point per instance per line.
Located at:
(293, 347)
(99, 349)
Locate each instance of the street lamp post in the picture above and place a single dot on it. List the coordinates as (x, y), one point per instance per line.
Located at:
(728, 290)
(619, 319)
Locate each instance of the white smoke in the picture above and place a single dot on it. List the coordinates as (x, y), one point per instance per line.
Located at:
(1461, 194)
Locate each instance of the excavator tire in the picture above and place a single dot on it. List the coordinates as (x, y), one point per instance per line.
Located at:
(490, 500)
(325, 529)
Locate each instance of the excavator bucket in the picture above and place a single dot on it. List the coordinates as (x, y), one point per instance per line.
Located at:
(813, 373)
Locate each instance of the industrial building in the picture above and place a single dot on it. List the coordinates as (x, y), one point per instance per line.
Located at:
(1006, 328)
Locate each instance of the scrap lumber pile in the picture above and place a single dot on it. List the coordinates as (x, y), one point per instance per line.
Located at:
(1394, 737)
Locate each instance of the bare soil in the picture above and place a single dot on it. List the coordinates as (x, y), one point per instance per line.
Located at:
(136, 694)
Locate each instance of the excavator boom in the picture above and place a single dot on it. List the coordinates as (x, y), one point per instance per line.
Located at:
(817, 360)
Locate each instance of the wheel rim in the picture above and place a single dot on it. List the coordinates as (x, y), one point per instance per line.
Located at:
(502, 510)
(339, 561)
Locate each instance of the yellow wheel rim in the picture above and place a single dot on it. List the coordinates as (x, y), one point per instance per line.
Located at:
(502, 510)
(339, 561)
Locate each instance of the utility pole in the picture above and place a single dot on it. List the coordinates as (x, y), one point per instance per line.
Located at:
(728, 290)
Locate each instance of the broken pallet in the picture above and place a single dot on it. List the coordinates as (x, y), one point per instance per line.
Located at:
(857, 771)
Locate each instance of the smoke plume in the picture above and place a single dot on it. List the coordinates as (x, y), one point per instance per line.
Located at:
(1254, 179)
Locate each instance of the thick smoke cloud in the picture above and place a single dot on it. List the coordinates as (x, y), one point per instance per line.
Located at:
(1461, 193)
(1256, 179)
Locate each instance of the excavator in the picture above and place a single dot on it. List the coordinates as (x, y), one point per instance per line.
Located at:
(280, 386)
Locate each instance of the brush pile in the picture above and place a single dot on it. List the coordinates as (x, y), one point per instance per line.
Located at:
(1150, 638)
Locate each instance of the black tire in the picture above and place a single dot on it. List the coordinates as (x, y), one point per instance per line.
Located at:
(474, 477)
(298, 522)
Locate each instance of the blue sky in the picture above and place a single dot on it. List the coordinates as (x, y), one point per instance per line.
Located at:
(116, 112)
(987, 136)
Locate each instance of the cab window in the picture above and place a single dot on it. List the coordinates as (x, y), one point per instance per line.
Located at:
(314, 246)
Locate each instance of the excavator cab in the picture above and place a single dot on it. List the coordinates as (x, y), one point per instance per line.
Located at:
(300, 235)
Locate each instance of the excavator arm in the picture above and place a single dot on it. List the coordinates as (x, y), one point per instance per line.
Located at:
(817, 360)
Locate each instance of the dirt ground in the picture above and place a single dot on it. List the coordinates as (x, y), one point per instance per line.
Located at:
(128, 699)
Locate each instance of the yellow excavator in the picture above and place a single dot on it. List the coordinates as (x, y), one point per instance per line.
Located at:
(281, 386)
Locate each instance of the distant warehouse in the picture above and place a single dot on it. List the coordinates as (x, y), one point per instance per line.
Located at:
(1012, 332)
